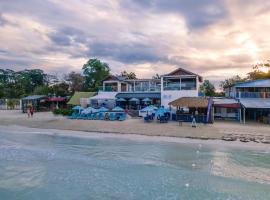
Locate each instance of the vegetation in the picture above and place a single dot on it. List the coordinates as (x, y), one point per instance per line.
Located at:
(75, 81)
(63, 112)
(128, 75)
(260, 71)
(207, 88)
(94, 72)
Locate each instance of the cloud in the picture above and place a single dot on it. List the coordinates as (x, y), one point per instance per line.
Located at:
(197, 13)
(215, 38)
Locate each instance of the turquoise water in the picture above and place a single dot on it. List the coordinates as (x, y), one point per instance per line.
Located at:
(50, 166)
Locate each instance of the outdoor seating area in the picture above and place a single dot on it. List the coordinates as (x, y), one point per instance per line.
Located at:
(151, 113)
(102, 113)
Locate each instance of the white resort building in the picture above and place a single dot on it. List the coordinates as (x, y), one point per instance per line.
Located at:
(133, 94)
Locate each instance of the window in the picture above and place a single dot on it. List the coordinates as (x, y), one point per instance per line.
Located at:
(188, 84)
(171, 83)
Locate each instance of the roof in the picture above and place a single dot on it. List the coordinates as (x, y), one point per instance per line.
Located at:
(111, 77)
(226, 103)
(255, 103)
(75, 99)
(57, 99)
(142, 95)
(191, 102)
(181, 71)
(103, 96)
(33, 97)
(254, 83)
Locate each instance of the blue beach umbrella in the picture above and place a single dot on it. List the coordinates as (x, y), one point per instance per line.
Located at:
(161, 111)
(121, 99)
(134, 99)
(77, 108)
(149, 108)
(102, 109)
(118, 109)
(89, 110)
(146, 100)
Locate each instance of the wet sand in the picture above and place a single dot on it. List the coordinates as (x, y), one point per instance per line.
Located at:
(219, 129)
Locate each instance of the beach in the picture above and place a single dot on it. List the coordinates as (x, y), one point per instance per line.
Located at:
(218, 130)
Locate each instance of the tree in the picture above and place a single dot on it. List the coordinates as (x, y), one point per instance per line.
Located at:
(60, 89)
(41, 90)
(75, 81)
(128, 75)
(207, 88)
(260, 71)
(157, 76)
(230, 82)
(94, 71)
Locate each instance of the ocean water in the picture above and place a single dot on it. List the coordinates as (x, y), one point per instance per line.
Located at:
(37, 166)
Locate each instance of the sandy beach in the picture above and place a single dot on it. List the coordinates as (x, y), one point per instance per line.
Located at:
(218, 130)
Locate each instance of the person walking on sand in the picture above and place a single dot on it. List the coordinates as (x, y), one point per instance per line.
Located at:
(31, 111)
(28, 111)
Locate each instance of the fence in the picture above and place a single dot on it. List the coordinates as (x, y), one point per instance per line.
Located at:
(10, 104)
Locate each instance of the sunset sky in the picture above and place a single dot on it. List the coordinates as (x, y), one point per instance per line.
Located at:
(214, 38)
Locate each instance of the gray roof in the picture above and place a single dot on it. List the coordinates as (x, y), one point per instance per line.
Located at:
(33, 97)
(224, 101)
(254, 83)
(141, 95)
(255, 103)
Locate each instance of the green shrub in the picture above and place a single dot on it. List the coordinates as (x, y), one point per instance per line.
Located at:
(62, 111)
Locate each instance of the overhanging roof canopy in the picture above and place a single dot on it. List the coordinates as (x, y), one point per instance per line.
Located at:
(142, 95)
(255, 103)
(254, 83)
(191, 102)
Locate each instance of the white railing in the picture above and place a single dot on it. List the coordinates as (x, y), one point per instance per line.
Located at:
(240, 95)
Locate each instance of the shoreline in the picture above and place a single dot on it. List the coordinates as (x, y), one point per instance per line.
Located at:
(139, 138)
(228, 131)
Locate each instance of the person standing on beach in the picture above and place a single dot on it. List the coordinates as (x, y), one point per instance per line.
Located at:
(28, 111)
(31, 111)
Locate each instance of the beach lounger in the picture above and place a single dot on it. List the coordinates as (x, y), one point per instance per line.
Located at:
(89, 116)
(73, 116)
(112, 116)
(122, 117)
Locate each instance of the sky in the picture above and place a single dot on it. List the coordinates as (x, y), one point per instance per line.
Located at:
(213, 38)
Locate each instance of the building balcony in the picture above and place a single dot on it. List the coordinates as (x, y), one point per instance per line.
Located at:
(240, 95)
(131, 89)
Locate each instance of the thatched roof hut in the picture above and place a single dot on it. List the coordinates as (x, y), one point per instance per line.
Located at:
(191, 102)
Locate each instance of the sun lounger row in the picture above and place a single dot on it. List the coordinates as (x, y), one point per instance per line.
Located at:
(112, 116)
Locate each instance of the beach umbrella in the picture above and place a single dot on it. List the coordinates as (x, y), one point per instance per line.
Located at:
(134, 99)
(121, 99)
(161, 111)
(146, 99)
(118, 109)
(103, 109)
(89, 110)
(77, 108)
(149, 108)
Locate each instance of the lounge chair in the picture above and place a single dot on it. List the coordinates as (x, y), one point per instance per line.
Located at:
(112, 116)
(122, 117)
(163, 119)
(89, 116)
(74, 115)
(101, 116)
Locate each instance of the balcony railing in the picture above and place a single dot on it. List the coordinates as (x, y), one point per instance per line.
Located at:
(136, 89)
(252, 95)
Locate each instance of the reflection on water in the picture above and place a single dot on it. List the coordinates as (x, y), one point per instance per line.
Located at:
(42, 166)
